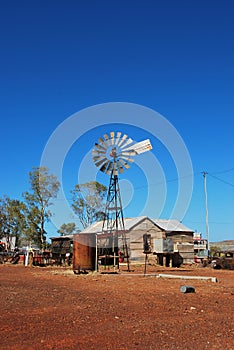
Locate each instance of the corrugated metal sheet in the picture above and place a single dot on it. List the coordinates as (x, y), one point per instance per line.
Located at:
(166, 225)
(94, 228)
(171, 225)
(131, 222)
(128, 222)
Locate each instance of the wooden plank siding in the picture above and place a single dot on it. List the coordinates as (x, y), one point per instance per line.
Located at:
(135, 239)
(180, 237)
(183, 242)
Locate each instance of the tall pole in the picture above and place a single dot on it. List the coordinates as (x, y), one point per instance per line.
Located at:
(207, 216)
(96, 255)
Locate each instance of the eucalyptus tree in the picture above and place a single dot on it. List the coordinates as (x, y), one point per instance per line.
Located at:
(88, 202)
(67, 229)
(44, 188)
(12, 220)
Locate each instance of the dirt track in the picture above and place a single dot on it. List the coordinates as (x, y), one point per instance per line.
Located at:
(48, 308)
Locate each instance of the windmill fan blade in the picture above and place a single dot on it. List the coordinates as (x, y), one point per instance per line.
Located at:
(121, 141)
(117, 137)
(100, 147)
(98, 154)
(112, 137)
(108, 141)
(101, 161)
(127, 153)
(103, 143)
(98, 151)
(126, 143)
(105, 165)
(109, 168)
(119, 167)
(125, 164)
(108, 172)
(97, 158)
(131, 160)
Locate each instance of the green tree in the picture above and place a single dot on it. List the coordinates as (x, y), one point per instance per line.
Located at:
(32, 232)
(44, 187)
(88, 202)
(67, 229)
(12, 220)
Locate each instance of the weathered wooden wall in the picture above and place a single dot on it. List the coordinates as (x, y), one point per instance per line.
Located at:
(135, 239)
(183, 242)
(186, 251)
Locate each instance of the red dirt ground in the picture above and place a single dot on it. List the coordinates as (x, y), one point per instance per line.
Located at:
(51, 308)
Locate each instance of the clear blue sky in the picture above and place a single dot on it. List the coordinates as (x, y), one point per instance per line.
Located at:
(175, 57)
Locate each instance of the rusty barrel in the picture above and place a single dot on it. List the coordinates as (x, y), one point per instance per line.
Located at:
(84, 252)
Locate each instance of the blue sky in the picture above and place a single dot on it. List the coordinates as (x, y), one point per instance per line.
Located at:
(175, 57)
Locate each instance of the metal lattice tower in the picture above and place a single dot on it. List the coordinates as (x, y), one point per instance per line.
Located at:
(113, 154)
(113, 218)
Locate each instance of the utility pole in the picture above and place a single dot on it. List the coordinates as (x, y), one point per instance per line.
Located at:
(207, 216)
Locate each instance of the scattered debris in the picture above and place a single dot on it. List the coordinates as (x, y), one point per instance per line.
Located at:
(187, 289)
(212, 279)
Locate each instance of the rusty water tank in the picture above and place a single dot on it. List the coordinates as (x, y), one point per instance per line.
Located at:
(84, 252)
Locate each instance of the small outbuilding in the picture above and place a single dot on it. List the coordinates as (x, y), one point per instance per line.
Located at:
(62, 249)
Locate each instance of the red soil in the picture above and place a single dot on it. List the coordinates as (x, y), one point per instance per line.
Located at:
(52, 308)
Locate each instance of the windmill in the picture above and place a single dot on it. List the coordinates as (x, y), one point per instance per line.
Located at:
(113, 154)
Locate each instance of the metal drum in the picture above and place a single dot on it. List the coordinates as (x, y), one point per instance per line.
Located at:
(84, 252)
(187, 289)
